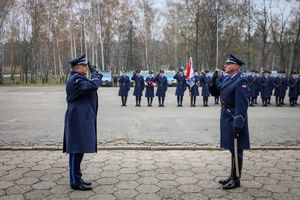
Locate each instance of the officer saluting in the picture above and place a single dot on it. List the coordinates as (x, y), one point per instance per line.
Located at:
(234, 92)
(162, 86)
(124, 84)
(80, 131)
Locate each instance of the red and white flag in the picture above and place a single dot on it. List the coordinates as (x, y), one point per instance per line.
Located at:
(190, 70)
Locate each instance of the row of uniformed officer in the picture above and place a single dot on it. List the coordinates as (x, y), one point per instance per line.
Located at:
(162, 84)
(266, 84)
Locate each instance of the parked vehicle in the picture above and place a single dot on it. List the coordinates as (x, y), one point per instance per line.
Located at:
(171, 80)
(106, 79)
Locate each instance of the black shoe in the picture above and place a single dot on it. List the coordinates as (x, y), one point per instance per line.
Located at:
(86, 182)
(82, 186)
(225, 181)
(233, 183)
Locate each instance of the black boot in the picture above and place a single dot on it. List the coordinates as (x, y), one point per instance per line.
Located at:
(252, 101)
(125, 100)
(235, 181)
(225, 181)
(122, 98)
(181, 99)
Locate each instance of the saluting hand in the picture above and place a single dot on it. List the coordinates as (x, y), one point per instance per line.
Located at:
(92, 68)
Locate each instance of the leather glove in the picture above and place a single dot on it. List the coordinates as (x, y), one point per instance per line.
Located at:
(236, 132)
(92, 68)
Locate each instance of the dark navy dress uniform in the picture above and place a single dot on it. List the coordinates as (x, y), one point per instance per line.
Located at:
(298, 89)
(162, 87)
(124, 84)
(138, 87)
(253, 84)
(265, 89)
(194, 89)
(278, 88)
(149, 87)
(150, 84)
(205, 80)
(293, 89)
(180, 88)
(234, 92)
(80, 129)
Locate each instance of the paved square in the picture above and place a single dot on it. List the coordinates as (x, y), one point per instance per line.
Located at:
(143, 175)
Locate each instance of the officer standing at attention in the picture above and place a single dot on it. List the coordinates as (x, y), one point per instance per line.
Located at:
(193, 88)
(278, 82)
(293, 88)
(205, 80)
(234, 121)
(253, 82)
(180, 86)
(80, 130)
(150, 88)
(124, 84)
(162, 86)
(138, 87)
(265, 94)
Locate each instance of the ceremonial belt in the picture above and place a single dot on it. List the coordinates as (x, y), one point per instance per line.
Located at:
(226, 106)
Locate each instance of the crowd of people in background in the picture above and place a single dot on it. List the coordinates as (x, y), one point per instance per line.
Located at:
(264, 85)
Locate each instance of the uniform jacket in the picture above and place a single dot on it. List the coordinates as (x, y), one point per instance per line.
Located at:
(124, 83)
(181, 84)
(194, 89)
(205, 81)
(138, 86)
(80, 130)
(234, 92)
(285, 86)
(265, 88)
(279, 86)
(293, 87)
(253, 85)
(162, 86)
(149, 87)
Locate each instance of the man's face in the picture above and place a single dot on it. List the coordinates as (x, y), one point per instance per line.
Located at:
(230, 68)
(82, 69)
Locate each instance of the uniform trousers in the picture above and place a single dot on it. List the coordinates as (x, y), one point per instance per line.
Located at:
(75, 171)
